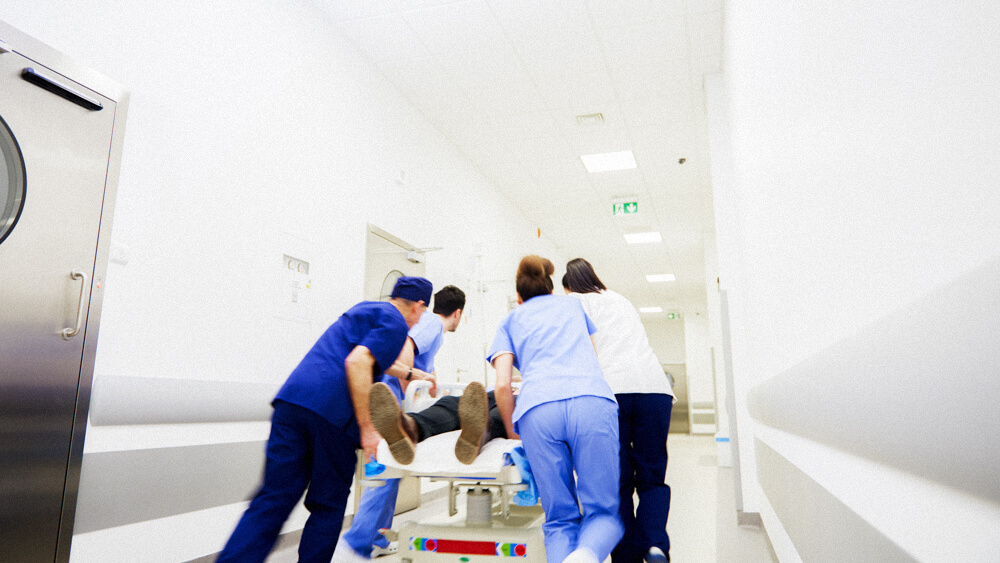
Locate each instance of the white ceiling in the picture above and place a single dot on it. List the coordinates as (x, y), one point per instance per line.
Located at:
(506, 79)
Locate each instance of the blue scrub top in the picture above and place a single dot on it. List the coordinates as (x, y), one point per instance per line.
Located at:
(319, 383)
(550, 338)
(427, 335)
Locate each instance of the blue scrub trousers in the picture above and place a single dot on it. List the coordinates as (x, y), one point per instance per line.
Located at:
(374, 512)
(377, 504)
(578, 434)
(303, 450)
(643, 423)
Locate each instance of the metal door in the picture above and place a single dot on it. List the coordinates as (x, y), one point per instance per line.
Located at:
(56, 139)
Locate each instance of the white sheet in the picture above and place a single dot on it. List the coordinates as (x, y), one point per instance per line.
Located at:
(435, 457)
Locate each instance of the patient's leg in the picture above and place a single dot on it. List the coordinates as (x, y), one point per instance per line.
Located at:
(475, 412)
(436, 419)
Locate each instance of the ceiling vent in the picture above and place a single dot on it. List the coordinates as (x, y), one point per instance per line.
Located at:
(590, 120)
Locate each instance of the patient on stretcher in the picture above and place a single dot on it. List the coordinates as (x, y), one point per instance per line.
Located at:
(474, 413)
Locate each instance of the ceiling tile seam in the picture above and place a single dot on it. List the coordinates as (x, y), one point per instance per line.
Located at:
(520, 60)
(530, 78)
(618, 98)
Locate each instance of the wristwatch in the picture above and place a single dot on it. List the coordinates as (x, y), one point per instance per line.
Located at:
(409, 376)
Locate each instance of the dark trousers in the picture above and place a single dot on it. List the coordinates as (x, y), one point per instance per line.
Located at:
(303, 450)
(643, 423)
(442, 417)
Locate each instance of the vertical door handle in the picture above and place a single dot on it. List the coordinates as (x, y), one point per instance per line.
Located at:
(68, 333)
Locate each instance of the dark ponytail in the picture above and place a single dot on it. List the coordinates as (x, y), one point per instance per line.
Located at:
(581, 278)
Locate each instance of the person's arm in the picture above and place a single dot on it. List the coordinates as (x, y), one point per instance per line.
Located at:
(504, 393)
(403, 369)
(359, 365)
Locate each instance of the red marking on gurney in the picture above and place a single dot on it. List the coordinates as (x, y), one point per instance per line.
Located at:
(467, 547)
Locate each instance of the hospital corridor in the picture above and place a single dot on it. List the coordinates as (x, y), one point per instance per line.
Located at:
(568, 281)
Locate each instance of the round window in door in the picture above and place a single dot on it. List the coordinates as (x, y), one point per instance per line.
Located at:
(12, 181)
(388, 284)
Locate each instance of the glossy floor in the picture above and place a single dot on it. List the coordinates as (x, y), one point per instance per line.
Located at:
(703, 525)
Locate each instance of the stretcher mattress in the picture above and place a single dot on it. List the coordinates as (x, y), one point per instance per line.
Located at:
(435, 457)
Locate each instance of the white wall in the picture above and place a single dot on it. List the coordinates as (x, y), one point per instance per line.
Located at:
(666, 337)
(253, 130)
(863, 177)
(698, 357)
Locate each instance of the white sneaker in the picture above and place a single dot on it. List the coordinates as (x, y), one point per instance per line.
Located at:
(581, 555)
(391, 549)
(655, 555)
(344, 553)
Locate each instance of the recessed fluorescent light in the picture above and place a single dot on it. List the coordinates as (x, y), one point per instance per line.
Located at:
(608, 161)
(639, 238)
(660, 278)
(650, 309)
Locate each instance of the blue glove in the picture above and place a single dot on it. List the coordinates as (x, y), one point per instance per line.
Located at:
(528, 497)
(373, 468)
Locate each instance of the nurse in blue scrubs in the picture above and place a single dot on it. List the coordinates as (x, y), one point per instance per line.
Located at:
(379, 504)
(320, 418)
(566, 415)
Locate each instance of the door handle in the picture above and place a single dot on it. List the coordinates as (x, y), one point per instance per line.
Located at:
(68, 333)
(46, 83)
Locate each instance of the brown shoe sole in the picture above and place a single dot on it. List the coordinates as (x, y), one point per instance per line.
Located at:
(473, 415)
(386, 418)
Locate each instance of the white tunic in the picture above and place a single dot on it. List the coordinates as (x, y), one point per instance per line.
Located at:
(626, 358)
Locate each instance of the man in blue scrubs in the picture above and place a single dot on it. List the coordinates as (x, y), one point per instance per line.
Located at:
(321, 417)
(378, 504)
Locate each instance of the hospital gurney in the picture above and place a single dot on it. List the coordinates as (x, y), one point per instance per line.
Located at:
(492, 526)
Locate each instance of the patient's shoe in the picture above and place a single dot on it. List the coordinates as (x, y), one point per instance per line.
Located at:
(473, 416)
(398, 429)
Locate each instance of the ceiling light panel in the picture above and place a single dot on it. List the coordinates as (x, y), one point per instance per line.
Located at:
(609, 161)
(650, 309)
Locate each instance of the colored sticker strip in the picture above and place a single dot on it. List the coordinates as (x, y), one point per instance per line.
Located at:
(462, 547)
(512, 549)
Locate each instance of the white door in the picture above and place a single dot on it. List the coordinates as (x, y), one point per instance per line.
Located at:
(385, 261)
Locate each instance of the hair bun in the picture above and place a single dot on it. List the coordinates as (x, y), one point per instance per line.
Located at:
(535, 266)
(534, 276)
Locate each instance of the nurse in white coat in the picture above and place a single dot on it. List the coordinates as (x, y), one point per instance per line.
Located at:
(566, 415)
(645, 399)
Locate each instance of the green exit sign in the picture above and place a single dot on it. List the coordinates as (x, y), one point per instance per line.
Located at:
(625, 208)
(671, 315)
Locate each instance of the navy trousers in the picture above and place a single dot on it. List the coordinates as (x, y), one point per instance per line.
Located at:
(303, 450)
(643, 423)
